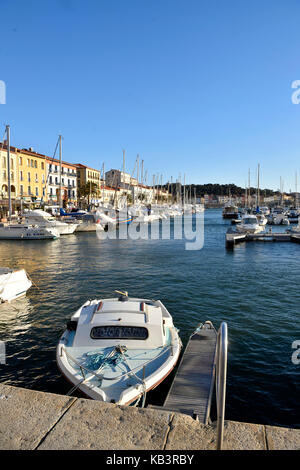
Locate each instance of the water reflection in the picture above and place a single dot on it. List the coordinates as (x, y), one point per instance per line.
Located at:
(15, 318)
(254, 288)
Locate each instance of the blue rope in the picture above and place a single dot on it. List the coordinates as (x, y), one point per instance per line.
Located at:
(95, 360)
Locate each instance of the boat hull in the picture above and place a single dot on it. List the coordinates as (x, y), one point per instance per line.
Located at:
(104, 370)
(13, 284)
(8, 233)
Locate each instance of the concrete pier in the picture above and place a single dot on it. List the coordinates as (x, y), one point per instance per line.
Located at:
(31, 420)
(233, 237)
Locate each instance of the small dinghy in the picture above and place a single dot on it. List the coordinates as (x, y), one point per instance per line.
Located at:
(13, 284)
(116, 350)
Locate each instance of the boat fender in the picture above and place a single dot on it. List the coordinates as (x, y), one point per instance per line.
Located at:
(72, 325)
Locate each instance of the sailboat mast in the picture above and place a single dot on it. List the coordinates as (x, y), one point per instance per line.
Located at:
(257, 198)
(296, 191)
(60, 160)
(103, 183)
(124, 169)
(8, 172)
(249, 190)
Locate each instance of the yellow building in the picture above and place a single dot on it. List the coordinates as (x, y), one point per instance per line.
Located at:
(31, 175)
(87, 175)
(4, 175)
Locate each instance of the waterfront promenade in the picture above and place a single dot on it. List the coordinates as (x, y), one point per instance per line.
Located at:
(32, 420)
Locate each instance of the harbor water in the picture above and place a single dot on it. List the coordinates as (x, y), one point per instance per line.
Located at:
(254, 288)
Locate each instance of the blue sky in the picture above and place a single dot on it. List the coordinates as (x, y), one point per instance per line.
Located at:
(195, 87)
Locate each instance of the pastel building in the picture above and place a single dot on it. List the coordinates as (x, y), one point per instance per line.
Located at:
(4, 174)
(119, 179)
(31, 175)
(62, 176)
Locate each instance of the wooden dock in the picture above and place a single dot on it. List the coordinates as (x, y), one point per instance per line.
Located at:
(191, 390)
(233, 237)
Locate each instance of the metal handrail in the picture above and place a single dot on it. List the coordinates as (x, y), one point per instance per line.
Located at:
(221, 374)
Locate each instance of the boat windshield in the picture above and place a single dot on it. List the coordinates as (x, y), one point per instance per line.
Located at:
(119, 332)
(250, 220)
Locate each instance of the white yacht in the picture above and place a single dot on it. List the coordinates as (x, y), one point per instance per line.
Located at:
(250, 224)
(44, 219)
(27, 232)
(296, 229)
(116, 350)
(88, 223)
(13, 284)
(230, 212)
(262, 219)
(264, 210)
(142, 215)
(278, 219)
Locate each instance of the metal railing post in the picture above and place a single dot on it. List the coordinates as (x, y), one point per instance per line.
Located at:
(221, 374)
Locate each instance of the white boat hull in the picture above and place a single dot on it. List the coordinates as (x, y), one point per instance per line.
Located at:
(13, 284)
(249, 229)
(27, 232)
(117, 384)
(88, 227)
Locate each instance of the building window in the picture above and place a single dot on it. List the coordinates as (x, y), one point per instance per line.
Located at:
(36, 191)
(29, 178)
(11, 164)
(20, 161)
(29, 190)
(35, 164)
(28, 162)
(4, 162)
(42, 165)
(21, 175)
(56, 180)
(50, 179)
(36, 178)
(32, 164)
(51, 193)
(21, 190)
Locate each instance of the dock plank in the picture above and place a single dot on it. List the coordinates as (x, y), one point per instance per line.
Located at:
(191, 389)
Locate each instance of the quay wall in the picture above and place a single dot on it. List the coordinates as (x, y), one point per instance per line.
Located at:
(33, 420)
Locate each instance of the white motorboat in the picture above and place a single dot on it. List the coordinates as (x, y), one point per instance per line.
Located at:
(115, 350)
(296, 229)
(250, 224)
(44, 219)
(278, 219)
(140, 215)
(264, 210)
(88, 223)
(262, 219)
(13, 284)
(27, 232)
(230, 212)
